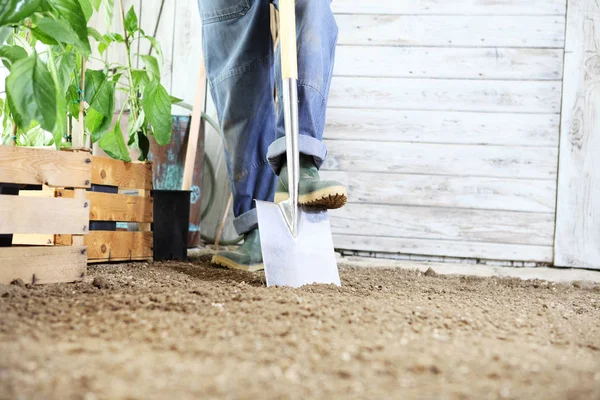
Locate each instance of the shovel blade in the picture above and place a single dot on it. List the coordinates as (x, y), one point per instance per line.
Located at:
(296, 261)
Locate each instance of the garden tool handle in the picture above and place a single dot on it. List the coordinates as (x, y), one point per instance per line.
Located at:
(289, 70)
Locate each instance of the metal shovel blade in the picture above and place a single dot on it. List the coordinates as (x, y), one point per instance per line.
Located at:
(296, 261)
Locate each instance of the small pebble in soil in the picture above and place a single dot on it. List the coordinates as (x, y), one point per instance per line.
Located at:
(18, 282)
(430, 272)
(100, 283)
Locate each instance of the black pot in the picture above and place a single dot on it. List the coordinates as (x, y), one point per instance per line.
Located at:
(171, 224)
(9, 189)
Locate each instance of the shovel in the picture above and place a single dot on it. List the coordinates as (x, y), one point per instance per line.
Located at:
(297, 246)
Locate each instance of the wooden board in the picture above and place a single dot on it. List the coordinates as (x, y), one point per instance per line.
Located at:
(539, 130)
(116, 207)
(444, 223)
(443, 248)
(452, 31)
(446, 94)
(35, 239)
(43, 215)
(42, 264)
(115, 246)
(448, 191)
(578, 215)
(453, 63)
(131, 175)
(435, 159)
(44, 167)
(444, 7)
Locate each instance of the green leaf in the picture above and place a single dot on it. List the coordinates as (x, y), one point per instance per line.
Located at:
(97, 124)
(71, 11)
(99, 92)
(73, 101)
(137, 138)
(13, 11)
(87, 9)
(96, 4)
(11, 54)
(60, 127)
(175, 100)
(140, 79)
(65, 65)
(151, 66)
(115, 37)
(59, 31)
(134, 125)
(5, 32)
(155, 45)
(102, 46)
(95, 34)
(109, 7)
(32, 93)
(157, 106)
(131, 21)
(113, 144)
(43, 36)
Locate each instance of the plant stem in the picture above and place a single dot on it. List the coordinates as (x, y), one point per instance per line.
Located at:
(132, 93)
(78, 141)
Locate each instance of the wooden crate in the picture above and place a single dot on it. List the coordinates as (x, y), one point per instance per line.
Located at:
(43, 215)
(120, 245)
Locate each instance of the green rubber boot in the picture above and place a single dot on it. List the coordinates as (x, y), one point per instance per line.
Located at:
(313, 191)
(247, 257)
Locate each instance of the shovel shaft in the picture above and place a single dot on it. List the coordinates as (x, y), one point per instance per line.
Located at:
(287, 39)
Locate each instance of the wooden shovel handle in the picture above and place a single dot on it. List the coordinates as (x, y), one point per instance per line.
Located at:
(287, 39)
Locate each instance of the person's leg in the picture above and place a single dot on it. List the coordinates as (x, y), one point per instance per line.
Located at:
(238, 54)
(316, 40)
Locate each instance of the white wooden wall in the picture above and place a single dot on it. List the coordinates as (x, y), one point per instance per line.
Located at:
(444, 124)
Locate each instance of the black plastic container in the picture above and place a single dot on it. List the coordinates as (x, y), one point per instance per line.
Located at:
(10, 189)
(171, 224)
(103, 225)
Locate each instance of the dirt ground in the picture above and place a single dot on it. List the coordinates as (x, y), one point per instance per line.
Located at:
(191, 331)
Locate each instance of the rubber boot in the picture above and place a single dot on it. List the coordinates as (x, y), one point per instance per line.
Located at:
(313, 192)
(247, 257)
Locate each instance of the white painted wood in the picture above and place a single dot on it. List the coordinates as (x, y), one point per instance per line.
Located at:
(578, 215)
(465, 63)
(507, 129)
(446, 95)
(444, 7)
(433, 159)
(444, 248)
(448, 191)
(444, 224)
(452, 31)
(186, 49)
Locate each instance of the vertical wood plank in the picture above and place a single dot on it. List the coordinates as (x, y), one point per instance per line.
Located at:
(578, 215)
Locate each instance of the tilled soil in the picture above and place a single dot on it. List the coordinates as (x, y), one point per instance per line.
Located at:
(192, 331)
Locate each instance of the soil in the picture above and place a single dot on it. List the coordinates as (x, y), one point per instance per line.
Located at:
(191, 331)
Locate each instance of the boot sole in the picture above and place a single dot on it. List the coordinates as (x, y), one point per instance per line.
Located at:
(329, 198)
(227, 263)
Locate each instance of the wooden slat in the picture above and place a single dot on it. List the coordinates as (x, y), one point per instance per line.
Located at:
(49, 167)
(444, 223)
(43, 215)
(446, 95)
(115, 246)
(452, 31)
(448, 191)
(133, 175)
(436, 159)
(127, 259)
(458, 7)
(540, 130)
(444, 248)
(42, 264)
(35, 239)
(578, 215)
(116, 207)
(455, 63)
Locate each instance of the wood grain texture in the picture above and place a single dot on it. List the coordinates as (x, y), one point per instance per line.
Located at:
(119, 245)
(131, 175)
(35, 239)
(116, 207)
(444, 224)
(45, 167)
(38, 265)
(578, 215)
(443, 7)
(443, 248)
(453, 63)
(539, 130)
(446, 95)
(43, 215)
(433, 159)
(448, 191)
(452, 31)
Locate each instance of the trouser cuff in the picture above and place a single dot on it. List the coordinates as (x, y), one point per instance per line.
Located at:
(309, 146)
(246, 222)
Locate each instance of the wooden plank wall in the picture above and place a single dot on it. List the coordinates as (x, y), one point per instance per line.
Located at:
(443, 122)
(578, 215)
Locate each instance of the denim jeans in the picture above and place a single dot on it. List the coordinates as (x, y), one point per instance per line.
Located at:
(242, 70)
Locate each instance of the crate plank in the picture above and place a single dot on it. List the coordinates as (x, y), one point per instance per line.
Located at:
(43, 215)
(49, 167)
(116, 207)
(35, 239)
(42, 264)
(115, 246)
(132, 175)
